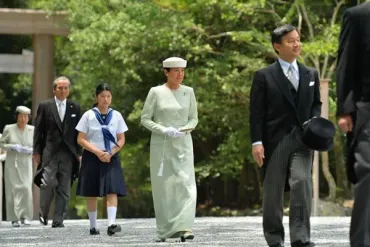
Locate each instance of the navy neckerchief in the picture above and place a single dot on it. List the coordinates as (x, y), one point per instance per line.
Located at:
(108, 137)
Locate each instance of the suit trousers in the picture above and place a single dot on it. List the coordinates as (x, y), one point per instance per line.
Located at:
(360, 221)
(57, 176)
(290, 158)
(1, 190)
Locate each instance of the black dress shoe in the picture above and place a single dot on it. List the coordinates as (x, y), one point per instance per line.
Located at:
(15, 224)
(112, 229)
(276, 245)
(43, 220)
(94, 231)
(187, 236)
(57, 225)
(301, 244)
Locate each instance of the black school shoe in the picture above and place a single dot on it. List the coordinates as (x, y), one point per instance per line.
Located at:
(94, 231)
(112, 229)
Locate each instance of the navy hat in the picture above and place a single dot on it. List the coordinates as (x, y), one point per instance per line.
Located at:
(318, 134)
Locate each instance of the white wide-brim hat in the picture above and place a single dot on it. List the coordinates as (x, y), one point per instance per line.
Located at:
(23, 109)
(174, 62)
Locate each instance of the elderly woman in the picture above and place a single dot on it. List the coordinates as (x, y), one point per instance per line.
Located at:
(170, 113)
(17, 139)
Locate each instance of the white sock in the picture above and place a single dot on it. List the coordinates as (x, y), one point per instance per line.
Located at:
(92, 218)
(111, 211)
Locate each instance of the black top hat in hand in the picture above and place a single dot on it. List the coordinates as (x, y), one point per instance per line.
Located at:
(318, 133)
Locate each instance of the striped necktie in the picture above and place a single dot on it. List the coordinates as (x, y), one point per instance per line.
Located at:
(291, 77)
(60, 111)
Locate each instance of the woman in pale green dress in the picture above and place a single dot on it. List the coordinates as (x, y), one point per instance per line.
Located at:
(18, 140)
(170, 113)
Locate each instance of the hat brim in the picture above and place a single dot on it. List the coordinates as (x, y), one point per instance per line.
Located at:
(323, 149)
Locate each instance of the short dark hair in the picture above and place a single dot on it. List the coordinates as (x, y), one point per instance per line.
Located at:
(101, 88)
(278, 34)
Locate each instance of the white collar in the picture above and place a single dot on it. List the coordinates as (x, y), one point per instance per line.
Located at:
(58, 101)
(285, 65)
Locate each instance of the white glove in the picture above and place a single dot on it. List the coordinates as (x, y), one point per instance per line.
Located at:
(26, 150)
(170, 131)
(15, 147)
(179, 133)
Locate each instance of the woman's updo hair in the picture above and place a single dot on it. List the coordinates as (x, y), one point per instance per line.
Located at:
(101, 88)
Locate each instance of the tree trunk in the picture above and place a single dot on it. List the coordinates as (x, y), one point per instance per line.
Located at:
(340, 169)
(226, 195)
(329, 178)
(242, 191)
(258, 182)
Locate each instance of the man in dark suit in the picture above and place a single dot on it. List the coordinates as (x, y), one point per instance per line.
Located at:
(55, 145)
(283, 96)
(353, 77)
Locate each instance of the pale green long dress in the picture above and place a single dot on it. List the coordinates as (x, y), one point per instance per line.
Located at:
(18, 173)
(174, 193)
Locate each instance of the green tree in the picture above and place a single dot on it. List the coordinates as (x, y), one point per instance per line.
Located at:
(225, 42)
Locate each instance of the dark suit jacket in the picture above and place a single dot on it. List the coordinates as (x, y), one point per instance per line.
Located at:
(353, 73)
(273, 113)
(51, 134)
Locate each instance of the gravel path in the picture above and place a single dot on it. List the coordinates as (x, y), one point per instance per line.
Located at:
(209, 231)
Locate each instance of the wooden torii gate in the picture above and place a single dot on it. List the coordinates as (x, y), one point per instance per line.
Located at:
(43, 27)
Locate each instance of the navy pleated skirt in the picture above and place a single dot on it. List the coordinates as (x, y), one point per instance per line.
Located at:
(98, 179)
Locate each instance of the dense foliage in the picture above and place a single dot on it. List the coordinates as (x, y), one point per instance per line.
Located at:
(123, 42)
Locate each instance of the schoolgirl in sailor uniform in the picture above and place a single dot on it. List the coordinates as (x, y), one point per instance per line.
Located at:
(101, 134)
